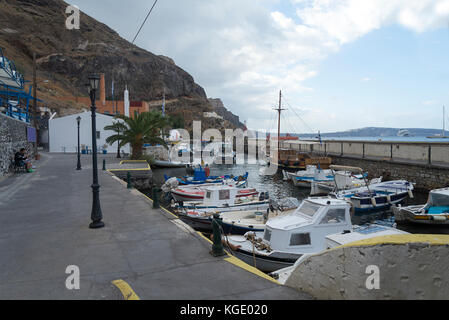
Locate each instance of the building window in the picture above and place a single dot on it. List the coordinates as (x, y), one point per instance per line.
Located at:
(98, 134)
(300, 239)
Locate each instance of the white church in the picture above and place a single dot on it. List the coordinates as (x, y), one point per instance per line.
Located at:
(63, 132)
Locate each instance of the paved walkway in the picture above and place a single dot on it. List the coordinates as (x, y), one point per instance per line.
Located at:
(44, 218)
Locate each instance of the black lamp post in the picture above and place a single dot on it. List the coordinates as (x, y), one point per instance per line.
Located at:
(78, 166)
(96, 215)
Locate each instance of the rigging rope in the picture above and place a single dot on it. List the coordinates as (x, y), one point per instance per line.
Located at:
(291, 108)
(144, 21)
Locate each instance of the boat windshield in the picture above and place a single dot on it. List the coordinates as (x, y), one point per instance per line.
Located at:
(308, 209)
(439, 200)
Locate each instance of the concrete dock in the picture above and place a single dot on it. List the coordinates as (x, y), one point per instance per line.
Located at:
(44, 218)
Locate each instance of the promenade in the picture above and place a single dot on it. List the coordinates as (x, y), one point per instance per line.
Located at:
(44, 218)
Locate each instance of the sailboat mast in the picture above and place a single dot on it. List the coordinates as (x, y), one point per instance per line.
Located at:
(279, 120)
(443, 122)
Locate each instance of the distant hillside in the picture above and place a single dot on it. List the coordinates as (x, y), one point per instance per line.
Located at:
(66, 57)
(377, 132)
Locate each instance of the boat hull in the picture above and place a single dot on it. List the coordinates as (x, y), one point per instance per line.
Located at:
(168, 164)
(185, 196)
(259, 205)
(204, 224)
(266, 263)
(411, 214)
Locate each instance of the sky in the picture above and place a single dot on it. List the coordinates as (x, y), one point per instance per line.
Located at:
(341, 64)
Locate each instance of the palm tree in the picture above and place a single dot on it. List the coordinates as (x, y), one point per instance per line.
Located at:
(143, 128)
(117, 127)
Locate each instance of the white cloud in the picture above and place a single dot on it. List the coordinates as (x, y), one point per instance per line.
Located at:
(245, 51)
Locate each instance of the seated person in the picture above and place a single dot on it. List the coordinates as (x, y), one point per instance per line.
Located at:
(21, 160)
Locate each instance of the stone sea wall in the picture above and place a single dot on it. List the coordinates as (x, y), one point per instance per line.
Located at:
(426, 164)
(13, 137)
(425, 177)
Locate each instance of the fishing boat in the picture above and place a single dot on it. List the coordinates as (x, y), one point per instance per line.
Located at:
(200, 177)
(197, 193)
(240, 221)
(435, 211)
(168, 164)
(312, 173)
(288, 237)
(358, 233)
(376, 197)
(289, 158)
(219, 198)
(342, 180)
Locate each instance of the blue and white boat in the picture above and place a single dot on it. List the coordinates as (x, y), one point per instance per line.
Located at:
(199, 177)
(376, 197)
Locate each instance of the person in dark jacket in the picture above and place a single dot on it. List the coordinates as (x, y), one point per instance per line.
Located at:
(21, 160)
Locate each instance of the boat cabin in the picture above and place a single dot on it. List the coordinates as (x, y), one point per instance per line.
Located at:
(220, 196)
(438, 201)
(306, 228)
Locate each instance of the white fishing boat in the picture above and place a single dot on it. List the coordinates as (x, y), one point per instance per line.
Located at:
(343, 180)
(168, 164)
(240, 221)
(435, 211)
(338, 239)
(197, 192)
(288, 237)
(304, 178)
(219, 198)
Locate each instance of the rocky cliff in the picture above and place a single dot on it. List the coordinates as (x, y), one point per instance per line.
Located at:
(66, 57)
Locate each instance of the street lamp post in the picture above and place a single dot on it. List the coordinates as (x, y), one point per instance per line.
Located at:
(96, 215)
(78, 166)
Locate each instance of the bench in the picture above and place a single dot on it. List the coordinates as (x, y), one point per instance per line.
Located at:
(18, 169)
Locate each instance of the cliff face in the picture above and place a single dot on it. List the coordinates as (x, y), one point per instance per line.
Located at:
(65, 58)
(39, 26)
(221, 110)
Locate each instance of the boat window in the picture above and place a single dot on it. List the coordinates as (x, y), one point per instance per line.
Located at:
(208, 194)
(308, 208)
(224, 195)
(334, 216)
(267, 234)
(439, 200)
(300, 239)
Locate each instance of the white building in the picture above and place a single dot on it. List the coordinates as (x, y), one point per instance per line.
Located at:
(63, 133)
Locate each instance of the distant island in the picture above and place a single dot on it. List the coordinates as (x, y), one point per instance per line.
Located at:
(376, 132)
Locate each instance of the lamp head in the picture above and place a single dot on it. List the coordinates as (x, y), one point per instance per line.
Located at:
(94, 81)
(78, 119)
